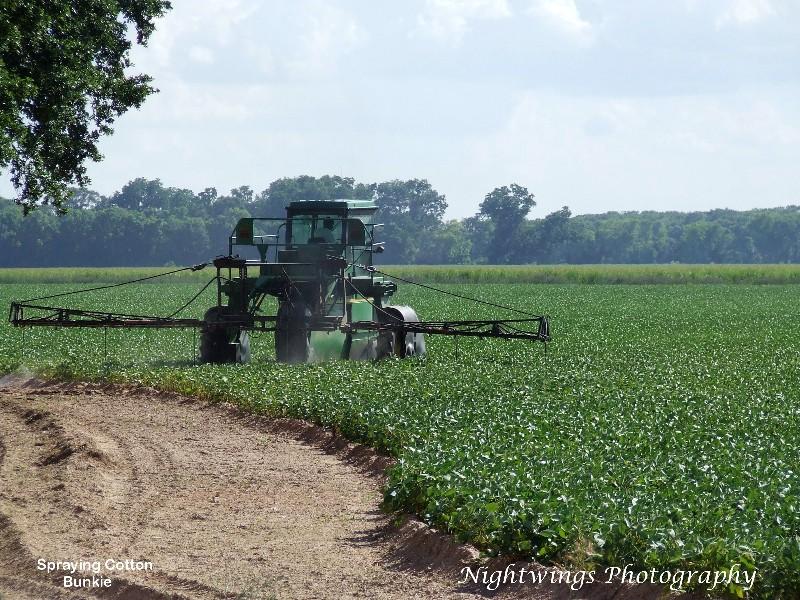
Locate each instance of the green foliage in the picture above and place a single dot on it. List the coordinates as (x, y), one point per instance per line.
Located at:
(660, 428)
(146, 223)
(451, 243)
(273, 200)
(582, 274)
(74, 275)
(63, 82)
(412, 213)
(507, 205)
(506, 208)
(599, 274)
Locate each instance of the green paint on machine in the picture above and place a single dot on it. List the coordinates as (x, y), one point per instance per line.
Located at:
(332, 303)
(317, 263)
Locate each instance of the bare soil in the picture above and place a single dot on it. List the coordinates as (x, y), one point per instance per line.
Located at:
(223, 504)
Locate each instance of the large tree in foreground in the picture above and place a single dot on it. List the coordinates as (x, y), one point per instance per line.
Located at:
(63, 81)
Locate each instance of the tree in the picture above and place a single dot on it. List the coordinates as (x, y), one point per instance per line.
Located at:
(82, 199)
(506, 207)
(415, 198)
(541, 240)
(139, 194)
(63, 82)
(412, 211)
(272, 201)
(447, 245)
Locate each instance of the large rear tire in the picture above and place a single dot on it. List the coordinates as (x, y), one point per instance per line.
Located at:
(292, 343)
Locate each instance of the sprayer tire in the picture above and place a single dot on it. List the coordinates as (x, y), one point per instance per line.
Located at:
(214, 346)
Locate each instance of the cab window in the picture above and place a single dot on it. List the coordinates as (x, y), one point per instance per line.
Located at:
(317, 229)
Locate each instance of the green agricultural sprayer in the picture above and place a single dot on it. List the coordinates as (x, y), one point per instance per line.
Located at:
(332, 302)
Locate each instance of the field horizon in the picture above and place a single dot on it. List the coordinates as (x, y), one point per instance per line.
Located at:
(671, 273)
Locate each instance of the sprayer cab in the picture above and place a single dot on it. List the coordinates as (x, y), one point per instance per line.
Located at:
(318, 264)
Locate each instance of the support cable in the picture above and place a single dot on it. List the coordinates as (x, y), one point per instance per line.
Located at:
(193, 298)
(372, 269)
(197, 267)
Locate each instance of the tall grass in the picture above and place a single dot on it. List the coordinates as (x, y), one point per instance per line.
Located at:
(583, 274)
(602, 274)
(100, 275)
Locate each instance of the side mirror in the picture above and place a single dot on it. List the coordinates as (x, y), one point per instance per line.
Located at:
(244, 231)
(378, 247)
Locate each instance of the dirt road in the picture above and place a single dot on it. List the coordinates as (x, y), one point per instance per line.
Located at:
(191, 500)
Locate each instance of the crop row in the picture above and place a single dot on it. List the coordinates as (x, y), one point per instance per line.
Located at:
(662, 427)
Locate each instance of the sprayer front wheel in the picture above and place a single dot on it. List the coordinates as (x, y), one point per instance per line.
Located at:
(215, 347)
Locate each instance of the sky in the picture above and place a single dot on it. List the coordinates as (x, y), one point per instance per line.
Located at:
(598, 105)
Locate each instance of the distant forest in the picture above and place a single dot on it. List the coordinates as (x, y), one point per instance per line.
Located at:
(147, 224)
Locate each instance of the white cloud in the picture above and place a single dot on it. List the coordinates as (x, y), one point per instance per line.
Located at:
(746, 12)
(201, 54)
(564, 16)
(328, 34)
(260, 55)
(679, 153)
(216, 20)
(185, 104)
(316, 86)
(449, 20)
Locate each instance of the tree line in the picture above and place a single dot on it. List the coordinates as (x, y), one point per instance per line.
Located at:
(148, 224)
